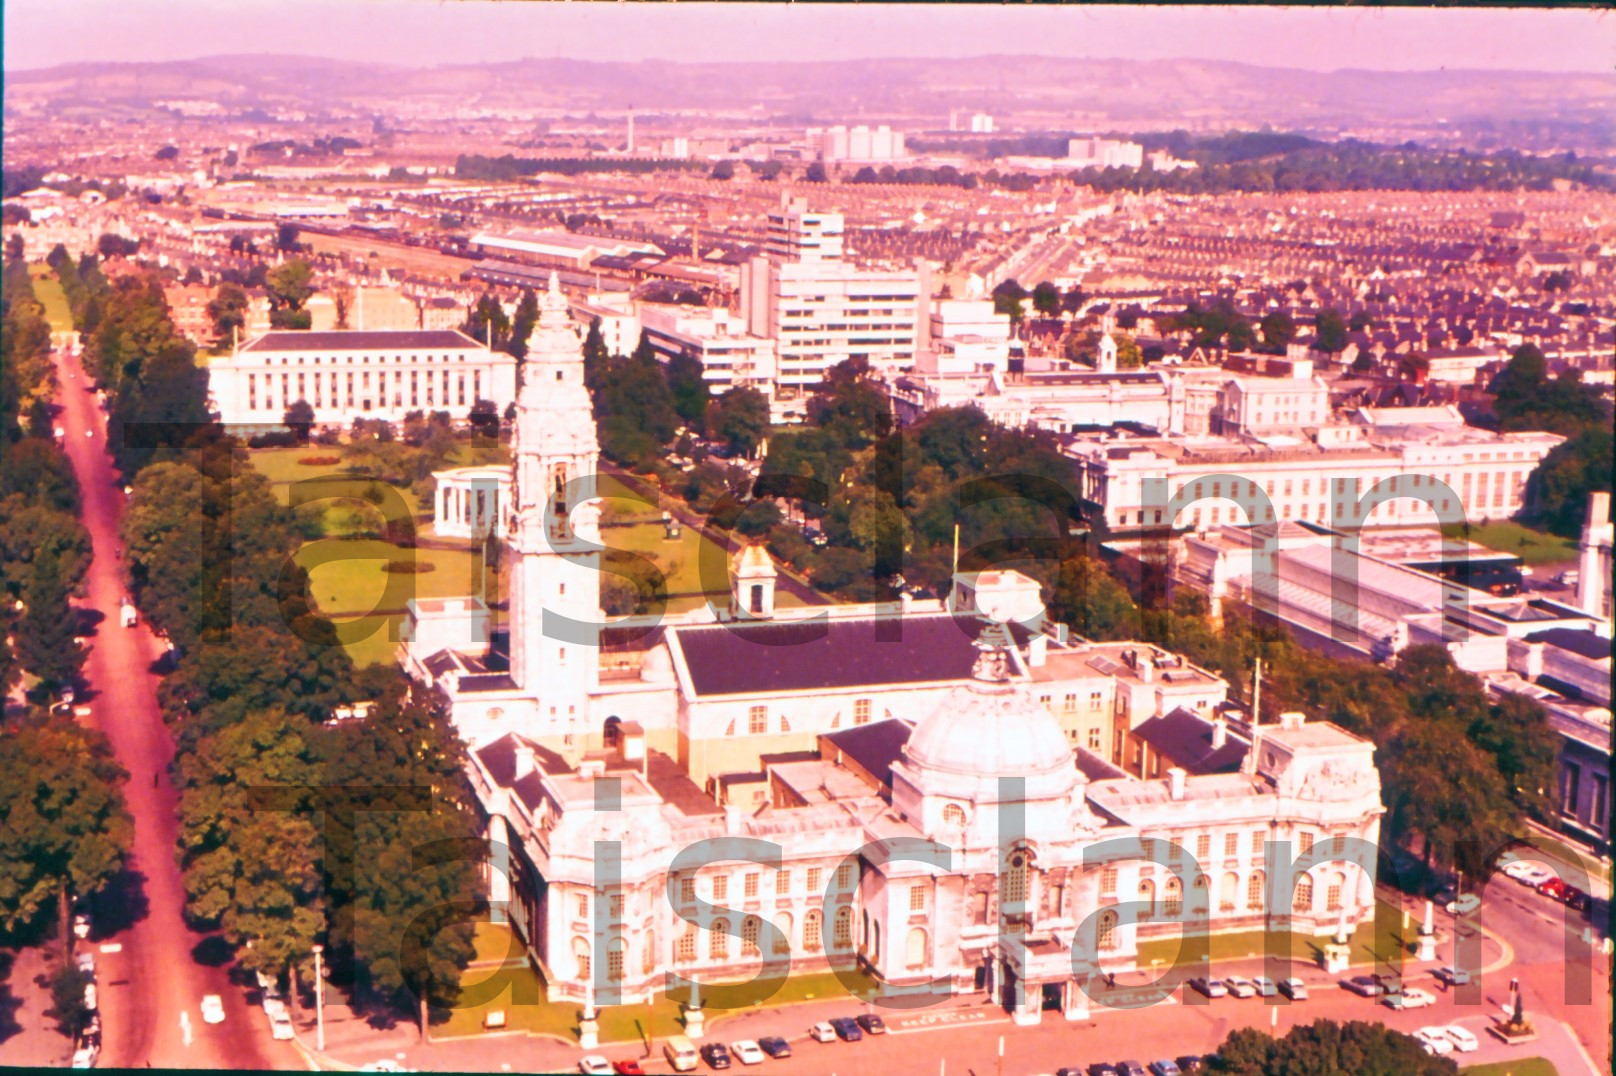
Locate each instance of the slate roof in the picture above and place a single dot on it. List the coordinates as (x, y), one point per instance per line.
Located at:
(366, 340)
(1577, 640)
(1187, 740)
(873, 747)
(738, 658)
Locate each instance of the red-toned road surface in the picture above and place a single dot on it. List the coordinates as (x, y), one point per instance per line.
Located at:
(155, 978)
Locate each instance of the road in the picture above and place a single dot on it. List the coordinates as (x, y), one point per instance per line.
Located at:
(156, 976)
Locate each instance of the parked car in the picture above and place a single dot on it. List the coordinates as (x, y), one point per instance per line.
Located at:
(280, 1024)
(86, 1055)
(1102, 1068)
(1435, 1041)
(1191, 1063)
(1533, 875)
(91, 1002)
(627, 1067)
(1295, 989)
(1131, 1068)
(1362, 985)
(822, 1032)
(81, 923)
(775, 1047)
(1210, 987)
(1266, 987)
(1390, 982)
(594, 1065)
(1463, 904)
(1240, 987)
(86, 962)
(1451, 975)
(746, 1052)
(716, 1056)
(872, 1024)
(847, 1028)
(213, 1009)
(1165, 1068)
(1463, 1040)
(1409, 998)
(1070, 1070)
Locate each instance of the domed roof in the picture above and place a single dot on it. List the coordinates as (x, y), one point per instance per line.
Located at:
(990, 727)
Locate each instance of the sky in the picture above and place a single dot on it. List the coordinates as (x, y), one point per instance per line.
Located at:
(43, 33)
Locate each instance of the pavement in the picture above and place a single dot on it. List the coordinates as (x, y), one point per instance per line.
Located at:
(162, 969)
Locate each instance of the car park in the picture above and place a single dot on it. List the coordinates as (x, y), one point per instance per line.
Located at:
(1451, 976)
(1435, 1041)
(1293, 988)
(716, 1055)
(1464, 1041)
(872, 1024)
(1363, 986)
(847, 1028)
(1409, 998)
(213, 1009)
(1266, 987)
(747, 1052)
(822, 1032)
(1240, 987)
(1165, 1068)
(594, 1065)
(1210, 987)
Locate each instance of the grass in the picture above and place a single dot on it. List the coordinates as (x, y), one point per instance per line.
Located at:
(1526, 1066)
(49, 292)
(1532, 546)
(519, 991)
(1379, 942)
(347, 576)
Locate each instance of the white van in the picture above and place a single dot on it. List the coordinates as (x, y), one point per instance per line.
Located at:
(681, 1053)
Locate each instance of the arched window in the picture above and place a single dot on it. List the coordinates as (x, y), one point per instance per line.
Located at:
(718, 940)
(1332, 895)
(914, 949)
(1017, 866)
(1201, 898)
(782, 938)
(1172, 897)
(812, 931)
(616, 950)
(580, 952)
(953, 815)
(650, 951)
(980, 910)
(842, 931)
(1147, 898)
(1302, 901)
(875, 940)
(749, 936)
(684, 950)
(1255, 885)
(1106, 933)
(1228, 890)
(864, 933)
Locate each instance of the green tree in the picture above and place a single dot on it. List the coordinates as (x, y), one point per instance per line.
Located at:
(1330, 332)
(228, 311)
(687, 383)
(67, 983)
(1046, 299)
(289, 285)
(527, 316)
(1278, 330)
(46, 643)
(299, 418)
(816, 173)
(739, 418)
(851, 405)
(1324, 1046)
(1008, 298)
(723, 170)
(64, 829)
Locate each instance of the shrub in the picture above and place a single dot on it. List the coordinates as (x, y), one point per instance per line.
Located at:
(319, 461)
(409, 567)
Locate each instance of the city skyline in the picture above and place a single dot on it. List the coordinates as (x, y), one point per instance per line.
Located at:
(408, 33)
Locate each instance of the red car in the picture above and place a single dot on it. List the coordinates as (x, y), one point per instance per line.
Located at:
(629, 1067)
(1566, 894)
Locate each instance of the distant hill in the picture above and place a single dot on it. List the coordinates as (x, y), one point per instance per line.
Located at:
(1090, 94)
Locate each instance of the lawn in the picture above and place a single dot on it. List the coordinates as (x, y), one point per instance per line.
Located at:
(1526, 1066)
(520, 992)
(346, 577)
(1367, 946)
(49, 292)
(1532, 546)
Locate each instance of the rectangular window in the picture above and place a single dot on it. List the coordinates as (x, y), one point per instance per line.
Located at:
(917, 898)
(782, 884)
(816, 878)
(1306, 841)
(844, 877)
(720, 886)
(1203, 847)
(1175, 848)
(614, 965)
(750, 885)
(1338, 844)
(1069, 704)
(583, 907)
(1231, 844)
(1095, 699)
(1259, 842)
(757, 720)
(1094, 739)
(861, 712)
(687, 890)
(1108, 880)
(616, 905)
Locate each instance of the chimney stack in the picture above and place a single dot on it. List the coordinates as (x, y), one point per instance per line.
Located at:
(525, 758)
(1175, 782)
(1220, 733)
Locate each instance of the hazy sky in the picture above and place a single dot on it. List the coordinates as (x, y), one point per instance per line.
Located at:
(40, 33)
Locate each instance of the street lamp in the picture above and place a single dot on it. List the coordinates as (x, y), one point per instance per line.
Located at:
(319, 1001)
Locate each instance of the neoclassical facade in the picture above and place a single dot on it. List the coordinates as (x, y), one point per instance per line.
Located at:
(941, 796)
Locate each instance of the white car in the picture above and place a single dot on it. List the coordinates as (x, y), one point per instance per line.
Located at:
(1464, 904)
(86, 1056)
(594, 1065)
(747, 1052)
(1435, 1040)
(1266, 987)
(1411, 997)
(1240, 988)
(89, 997)
(81, 922)
(1463, 1041)
(1295, 989)
(280, 1024)
(213, 1009)
(822, 1032)
(1534, 875)
(86, 962)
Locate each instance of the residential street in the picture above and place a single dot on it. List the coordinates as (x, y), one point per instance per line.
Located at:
(163, 969)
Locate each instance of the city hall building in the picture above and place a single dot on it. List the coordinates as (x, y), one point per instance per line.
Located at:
(349, 374)
(947, 794)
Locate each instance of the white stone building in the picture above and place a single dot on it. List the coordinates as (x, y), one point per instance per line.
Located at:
(887, 788)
